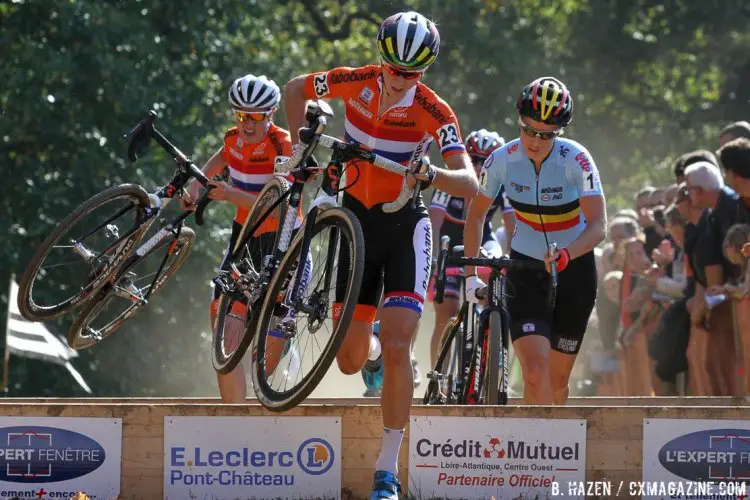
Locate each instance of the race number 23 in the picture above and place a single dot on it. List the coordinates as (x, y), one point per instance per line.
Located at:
(320, 84)
(448, 135)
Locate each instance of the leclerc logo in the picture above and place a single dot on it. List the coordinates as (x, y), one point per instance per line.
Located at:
(315, 456)
(37, 454)
(712, 455)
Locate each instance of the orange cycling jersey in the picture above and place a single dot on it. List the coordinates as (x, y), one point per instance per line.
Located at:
(402, 133)
(251, 166)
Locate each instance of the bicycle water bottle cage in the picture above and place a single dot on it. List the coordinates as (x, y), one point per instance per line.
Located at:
(141, 136)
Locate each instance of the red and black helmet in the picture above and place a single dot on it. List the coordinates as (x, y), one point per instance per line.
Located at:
(546, 100)
(482, 143)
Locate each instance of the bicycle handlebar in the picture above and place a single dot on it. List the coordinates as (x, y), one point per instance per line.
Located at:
(202, 203)
(494, 263)
(142, 133)
(312, 136)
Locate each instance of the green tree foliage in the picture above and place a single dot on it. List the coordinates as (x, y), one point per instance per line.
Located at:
(651, 80)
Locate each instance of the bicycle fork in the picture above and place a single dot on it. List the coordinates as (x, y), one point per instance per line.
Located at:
(498, 288)
(325, 200)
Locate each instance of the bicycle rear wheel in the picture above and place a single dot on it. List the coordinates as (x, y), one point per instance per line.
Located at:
(121, 300)
(238, 309)
(96, 251)
(277, 324)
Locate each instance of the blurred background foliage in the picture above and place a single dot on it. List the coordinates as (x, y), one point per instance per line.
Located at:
(651, 80)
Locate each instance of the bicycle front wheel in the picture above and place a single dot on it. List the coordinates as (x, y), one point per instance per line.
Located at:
(497, 359)
(471, 391)
(121, 300)
(82, 253)
(281, 383)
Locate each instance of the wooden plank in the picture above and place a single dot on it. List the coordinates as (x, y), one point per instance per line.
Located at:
(614, 433)
(372, 402)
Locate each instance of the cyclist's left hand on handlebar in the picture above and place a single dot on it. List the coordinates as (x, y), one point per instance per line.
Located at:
(472, 284)
(561, 258)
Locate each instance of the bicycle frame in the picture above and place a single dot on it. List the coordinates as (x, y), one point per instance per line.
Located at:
(494, 296)
(175, 228)
(143, 132)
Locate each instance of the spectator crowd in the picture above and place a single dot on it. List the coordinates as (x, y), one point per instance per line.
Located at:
(673, 313)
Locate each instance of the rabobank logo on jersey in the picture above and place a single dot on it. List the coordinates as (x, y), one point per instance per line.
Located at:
(277, 457)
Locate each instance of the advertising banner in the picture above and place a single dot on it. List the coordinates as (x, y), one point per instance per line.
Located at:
(57, 457)
(252, 457)
(696, 459)
(476, 457)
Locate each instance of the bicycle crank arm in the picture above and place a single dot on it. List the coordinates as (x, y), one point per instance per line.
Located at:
(224, 287)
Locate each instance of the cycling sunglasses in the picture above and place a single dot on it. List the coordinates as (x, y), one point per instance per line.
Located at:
(478, 159)
(259, 116)
(406, 75)
(532, 132)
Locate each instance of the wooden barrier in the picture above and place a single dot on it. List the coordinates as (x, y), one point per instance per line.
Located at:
(613, 448)
(348, 402)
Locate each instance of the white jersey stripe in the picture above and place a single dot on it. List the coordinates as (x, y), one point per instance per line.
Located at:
(375, 143)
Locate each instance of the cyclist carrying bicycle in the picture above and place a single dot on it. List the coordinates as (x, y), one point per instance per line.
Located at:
(390, 111)
(554, 188)
(250, 151)
(447, 217)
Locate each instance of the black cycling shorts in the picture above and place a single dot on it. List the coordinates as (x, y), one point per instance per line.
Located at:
(566, 324)
(398, 257)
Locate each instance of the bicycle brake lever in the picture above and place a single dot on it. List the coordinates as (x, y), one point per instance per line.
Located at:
(202, 204)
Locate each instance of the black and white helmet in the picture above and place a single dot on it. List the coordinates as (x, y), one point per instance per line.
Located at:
(254, 92)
